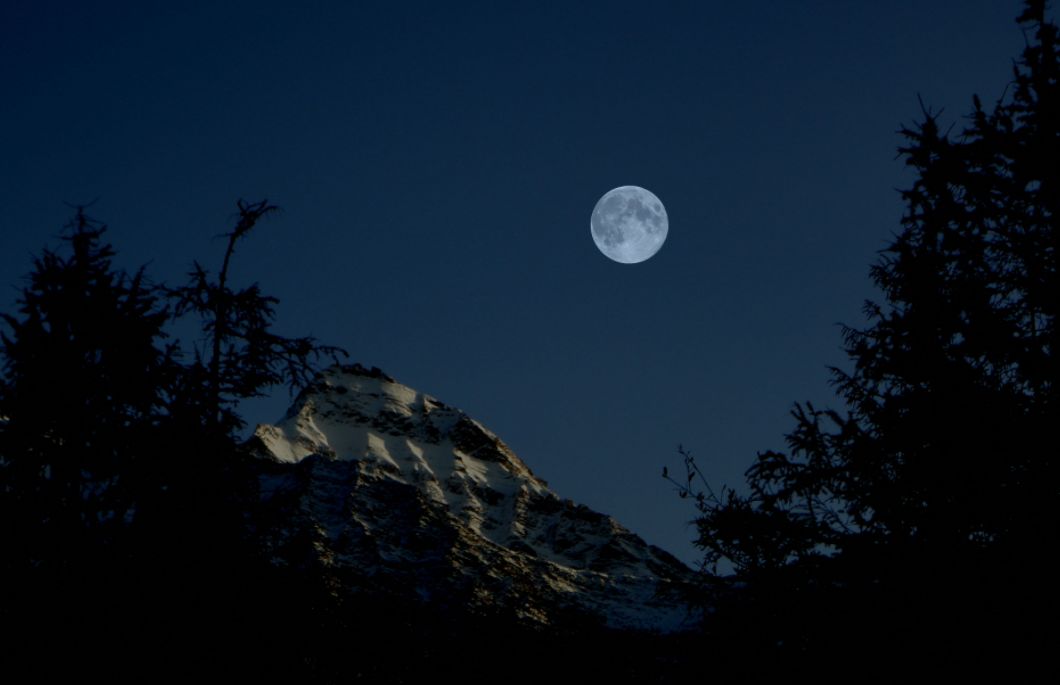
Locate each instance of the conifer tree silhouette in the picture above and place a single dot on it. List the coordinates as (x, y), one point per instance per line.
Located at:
(244, 356)
(929, 501)
(82, 401)
(127, 499)
(84, 379)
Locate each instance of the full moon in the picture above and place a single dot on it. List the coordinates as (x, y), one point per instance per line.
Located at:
(629, 224)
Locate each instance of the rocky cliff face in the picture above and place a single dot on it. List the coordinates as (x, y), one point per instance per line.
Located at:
(395, 493)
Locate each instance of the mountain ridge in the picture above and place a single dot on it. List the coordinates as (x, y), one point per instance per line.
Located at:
(388, 490)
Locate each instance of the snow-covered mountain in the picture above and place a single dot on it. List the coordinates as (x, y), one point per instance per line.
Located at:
(395, 493)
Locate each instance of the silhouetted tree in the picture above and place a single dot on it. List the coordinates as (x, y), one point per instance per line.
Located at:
(82, 401)
(213, 499)
(931, 501)
(243, 356)
(127, 501)
(84, 381)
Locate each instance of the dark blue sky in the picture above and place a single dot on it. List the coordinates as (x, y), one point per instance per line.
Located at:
(437, 164)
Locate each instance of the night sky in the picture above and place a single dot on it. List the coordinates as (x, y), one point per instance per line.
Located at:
(437, 165)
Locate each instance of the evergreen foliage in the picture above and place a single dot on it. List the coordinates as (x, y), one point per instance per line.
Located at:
(85, 374)
(127, 502)
(244, 356)
(929, 504)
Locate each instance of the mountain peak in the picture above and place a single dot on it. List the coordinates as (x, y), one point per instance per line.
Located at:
(392, 483)
(354, 413)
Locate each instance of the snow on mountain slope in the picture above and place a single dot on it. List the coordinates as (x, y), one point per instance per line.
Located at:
(394, 492)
